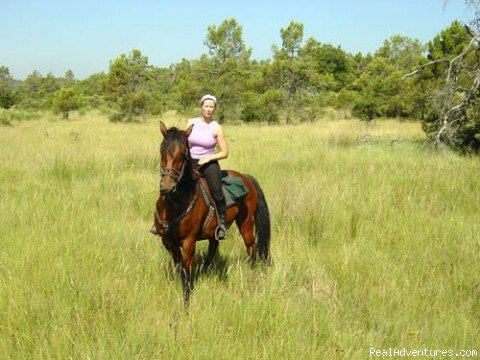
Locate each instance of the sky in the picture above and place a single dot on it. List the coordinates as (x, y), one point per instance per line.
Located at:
(84, 36)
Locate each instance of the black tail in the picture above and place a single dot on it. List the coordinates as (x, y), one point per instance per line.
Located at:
(262, 223)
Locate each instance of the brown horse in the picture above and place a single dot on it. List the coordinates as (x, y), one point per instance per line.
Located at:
(182, 214)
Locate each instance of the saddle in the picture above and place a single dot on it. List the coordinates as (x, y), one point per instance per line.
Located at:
(233, 190)
(232, 187)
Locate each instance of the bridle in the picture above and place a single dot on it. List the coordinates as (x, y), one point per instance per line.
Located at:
(173, 173)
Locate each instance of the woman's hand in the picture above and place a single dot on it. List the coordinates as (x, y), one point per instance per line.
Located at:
(204, 160)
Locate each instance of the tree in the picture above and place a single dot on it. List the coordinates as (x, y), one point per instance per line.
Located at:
(128, 84)
(69, 78)
(332, 64)
(293, 72)
(50, 84)
(7, 98)
(225, 70)
(292, 38)
(360, 63)
(226, 42)
(32, 83)
(381, 87)
(161, 85)
(402, 52)
(453, 119)
(346, 100)
(448, 44)
(92, 89)
(37, 91)
(65, 101)
(185, 89)
(262, 108)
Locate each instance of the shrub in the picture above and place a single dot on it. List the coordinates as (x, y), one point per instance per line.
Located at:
(367, 107)
(65, 101)
(263, 108)
(7, 100)
(257, 112)
(467, 137)
(116, 117)
(5, 118)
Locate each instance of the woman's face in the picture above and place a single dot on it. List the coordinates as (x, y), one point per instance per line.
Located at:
(208, 108)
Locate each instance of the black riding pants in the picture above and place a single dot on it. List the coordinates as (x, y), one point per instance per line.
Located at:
(211, 171)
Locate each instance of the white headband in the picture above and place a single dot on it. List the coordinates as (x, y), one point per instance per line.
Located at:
(208, 97)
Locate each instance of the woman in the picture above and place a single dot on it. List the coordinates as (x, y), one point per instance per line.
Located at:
(205, 136)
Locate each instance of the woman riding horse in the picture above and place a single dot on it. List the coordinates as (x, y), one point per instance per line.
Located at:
(182, 214)
(203, 139)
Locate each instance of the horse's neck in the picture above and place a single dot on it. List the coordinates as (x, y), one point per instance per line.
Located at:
(181, 199)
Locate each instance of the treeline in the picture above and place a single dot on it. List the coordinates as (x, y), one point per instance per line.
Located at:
(303, 79)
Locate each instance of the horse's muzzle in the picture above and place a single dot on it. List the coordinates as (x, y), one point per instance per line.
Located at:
(167, 188)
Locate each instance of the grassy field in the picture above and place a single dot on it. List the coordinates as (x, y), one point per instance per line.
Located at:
(375, 243)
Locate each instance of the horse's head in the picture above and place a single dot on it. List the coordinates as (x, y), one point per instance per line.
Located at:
(175, 157)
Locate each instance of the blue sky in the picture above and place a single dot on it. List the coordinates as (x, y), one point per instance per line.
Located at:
(57, 35)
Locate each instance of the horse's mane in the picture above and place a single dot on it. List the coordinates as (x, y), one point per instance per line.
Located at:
(172, 136)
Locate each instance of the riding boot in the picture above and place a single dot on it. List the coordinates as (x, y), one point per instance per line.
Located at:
(221, 231)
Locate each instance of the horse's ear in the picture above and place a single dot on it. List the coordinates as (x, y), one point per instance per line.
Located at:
(163, 128)
(189, 131)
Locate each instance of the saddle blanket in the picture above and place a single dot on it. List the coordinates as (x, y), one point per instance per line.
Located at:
(233, 188)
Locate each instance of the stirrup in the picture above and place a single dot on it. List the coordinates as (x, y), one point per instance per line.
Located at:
(221, 232)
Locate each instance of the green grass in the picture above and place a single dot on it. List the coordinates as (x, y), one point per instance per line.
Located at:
(375, 242)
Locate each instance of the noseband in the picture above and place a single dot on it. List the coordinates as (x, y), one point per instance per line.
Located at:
(173, 173)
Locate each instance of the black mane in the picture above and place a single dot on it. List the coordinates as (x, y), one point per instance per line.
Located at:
(171, 138)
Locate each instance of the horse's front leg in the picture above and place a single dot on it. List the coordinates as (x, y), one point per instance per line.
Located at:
(188, 257)
(174, 251)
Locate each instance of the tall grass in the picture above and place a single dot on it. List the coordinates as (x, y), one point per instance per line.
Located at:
(375, 243)
(10, 115)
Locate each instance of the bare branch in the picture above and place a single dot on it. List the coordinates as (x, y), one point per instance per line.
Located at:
(468, 50)
(420, 68)
(447, 122)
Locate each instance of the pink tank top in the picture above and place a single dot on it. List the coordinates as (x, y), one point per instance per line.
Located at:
(203, 138)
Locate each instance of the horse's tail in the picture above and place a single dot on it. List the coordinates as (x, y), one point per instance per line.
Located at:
(262, 223)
